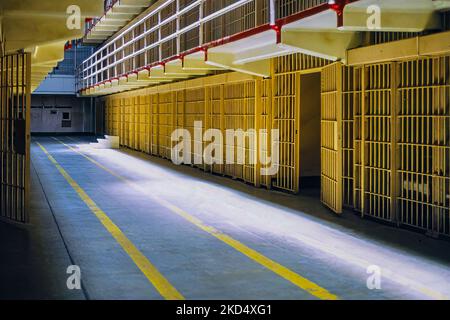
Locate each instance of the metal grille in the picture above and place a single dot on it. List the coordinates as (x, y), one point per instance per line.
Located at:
(331, 122)
(15, 82)
(195, 111)
(378, 148)
(115, 114)
(285, 120)
(383, 37)
(298, 62)
(215, 100)
(134, 123)
(127, 120)
(424, 144)
(191, 38)
(265, 122)
(223, 106)
(288, 7)
(143, 120)
(286, 88)
(351, 95)
(122, 120)
(154, 127)
(169, 47)
(357, 142)
(235, 21)
(402, 143)
(239, 114)
(165, 123)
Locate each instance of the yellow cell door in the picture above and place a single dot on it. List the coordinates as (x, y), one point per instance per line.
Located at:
(331, 159)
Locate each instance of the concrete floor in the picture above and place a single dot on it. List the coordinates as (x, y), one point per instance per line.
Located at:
(297, 232)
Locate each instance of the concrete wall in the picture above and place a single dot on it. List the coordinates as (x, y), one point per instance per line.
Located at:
(47, 113)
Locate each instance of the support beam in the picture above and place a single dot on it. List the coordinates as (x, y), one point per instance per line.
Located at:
(331, 45)
(197, 62)
(227, 61)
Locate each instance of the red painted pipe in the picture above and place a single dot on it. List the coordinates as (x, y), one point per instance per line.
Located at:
(335, 5)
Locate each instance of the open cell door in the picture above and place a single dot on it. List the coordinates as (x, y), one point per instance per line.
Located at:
(15, 83)
(331, 159)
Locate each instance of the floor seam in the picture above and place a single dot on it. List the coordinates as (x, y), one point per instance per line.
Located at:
(72, 261)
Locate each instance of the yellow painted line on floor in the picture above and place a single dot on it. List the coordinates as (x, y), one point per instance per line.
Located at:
(164, 287)
(296, 279)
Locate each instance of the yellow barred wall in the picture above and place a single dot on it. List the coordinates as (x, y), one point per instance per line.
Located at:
(145, 119)
(401, 144)
(423, 143)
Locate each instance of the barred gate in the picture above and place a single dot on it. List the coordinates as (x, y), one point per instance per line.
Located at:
(331, 141)
(15, 83)
(402, 145)
(424, 144)
(378, 147)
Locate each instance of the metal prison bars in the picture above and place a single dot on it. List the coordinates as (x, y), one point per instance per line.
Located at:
(331, 131)
(401, 143)
(146, 122)
(176, 26)
(15, 82)
(423, 140)
(378, 148)
(351, 101)
(394, 120)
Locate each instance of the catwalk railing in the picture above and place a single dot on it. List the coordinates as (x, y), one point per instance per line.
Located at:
(175, 28)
